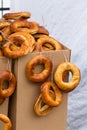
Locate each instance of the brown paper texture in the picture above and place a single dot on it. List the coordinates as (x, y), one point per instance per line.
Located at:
(26, 93)
(5, 63)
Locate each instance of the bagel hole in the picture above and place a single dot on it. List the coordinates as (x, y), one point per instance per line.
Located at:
(67, 76)
(52, 93)
(42, 103)
(36, 39)
(38, 68)
(49, 46)
(51, 88)
(43, 106)
(17, 41)
(5, 84)
(17, 44)
(70, 76)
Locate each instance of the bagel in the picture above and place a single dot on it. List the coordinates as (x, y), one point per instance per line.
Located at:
(6, 75)
(45, 91)
(49, 41)
(18, 44)
(75, 79)
(41, 108)
(24, 26)
(38, 46)
(46, 46)
(7, 121)
(17, 15)
(44, 74)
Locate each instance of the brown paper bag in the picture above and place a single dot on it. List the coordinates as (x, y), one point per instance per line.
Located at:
(22, 102)
(5, 63)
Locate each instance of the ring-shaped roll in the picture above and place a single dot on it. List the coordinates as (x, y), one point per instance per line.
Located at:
(17, 15)
(7, 121)
(75, 79)
(18, 44)
(41, 108)
(45, 91)
(44, 74)
(8, 76)
(24, 26)
(49, 41)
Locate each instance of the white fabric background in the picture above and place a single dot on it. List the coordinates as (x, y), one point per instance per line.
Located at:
(66, 21)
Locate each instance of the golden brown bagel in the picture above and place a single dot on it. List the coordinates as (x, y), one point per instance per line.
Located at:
(7, 121)
(17, 15)
(18, 44)
(24, 26)
(6, 75)
(74, 81)
(45, 89)
(50, 42)
(44, 74)
(41, 108)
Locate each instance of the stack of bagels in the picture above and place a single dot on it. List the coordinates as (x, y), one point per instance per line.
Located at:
(19, 36)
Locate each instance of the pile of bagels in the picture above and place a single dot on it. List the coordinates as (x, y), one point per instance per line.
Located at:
(20, 36)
